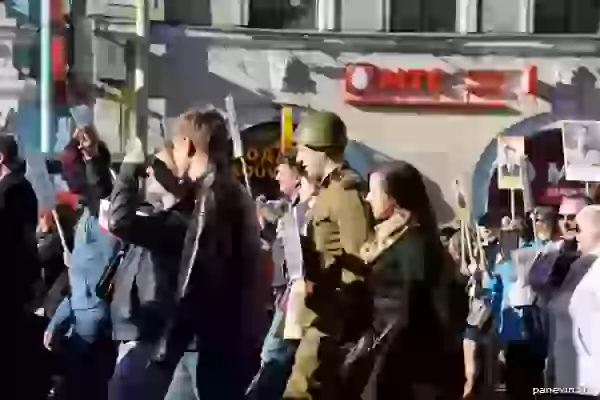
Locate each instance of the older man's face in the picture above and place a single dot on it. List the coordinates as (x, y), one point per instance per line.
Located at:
(569, 208)
(588, 230)
(585, 239)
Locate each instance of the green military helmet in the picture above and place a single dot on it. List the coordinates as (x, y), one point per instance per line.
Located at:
(321, 129)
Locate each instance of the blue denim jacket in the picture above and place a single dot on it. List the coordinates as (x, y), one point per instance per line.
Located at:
(509, 320)
(83, 312)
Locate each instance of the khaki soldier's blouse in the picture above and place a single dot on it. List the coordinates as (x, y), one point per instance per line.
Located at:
(339, 222)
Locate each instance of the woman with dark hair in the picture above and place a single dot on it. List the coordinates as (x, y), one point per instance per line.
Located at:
(417, 317)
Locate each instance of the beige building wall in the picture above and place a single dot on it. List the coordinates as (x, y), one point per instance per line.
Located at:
(444, 145)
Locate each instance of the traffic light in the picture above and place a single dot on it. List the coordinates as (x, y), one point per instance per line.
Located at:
(26, 56)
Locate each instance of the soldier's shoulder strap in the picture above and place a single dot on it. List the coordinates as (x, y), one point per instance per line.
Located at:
(349, 179)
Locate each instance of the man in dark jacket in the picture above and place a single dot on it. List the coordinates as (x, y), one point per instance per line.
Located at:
(18, 222)
(21, 270)
(146, 280)
(221, 297)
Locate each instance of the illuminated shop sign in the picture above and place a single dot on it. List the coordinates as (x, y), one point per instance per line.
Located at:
(367, 84)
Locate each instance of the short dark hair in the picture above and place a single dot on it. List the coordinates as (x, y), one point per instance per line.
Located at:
(9, 149)
(289, 159)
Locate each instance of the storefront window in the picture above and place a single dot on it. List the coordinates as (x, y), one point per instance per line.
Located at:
(500, 16)
(566, 16)
(422, 15)
(283, 14)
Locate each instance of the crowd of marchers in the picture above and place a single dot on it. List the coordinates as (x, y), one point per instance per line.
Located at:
(167, 280)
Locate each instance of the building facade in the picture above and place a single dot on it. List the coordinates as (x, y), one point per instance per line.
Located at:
(432, 82)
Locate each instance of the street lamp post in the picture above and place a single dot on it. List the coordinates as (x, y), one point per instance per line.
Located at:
(46, 76)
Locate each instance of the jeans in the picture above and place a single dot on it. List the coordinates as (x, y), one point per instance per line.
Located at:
(277, 358)
(135, 378)
(28, 363)
(183, 386)
(87, 368)
(275, 347)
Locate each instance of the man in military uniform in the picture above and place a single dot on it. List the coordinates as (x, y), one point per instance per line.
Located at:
(334, 273)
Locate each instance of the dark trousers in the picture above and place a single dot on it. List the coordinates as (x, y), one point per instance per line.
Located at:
(136, 378)
(87, 368)
(277, 358)
(219, 375)
(524, 371)
(566, 397)
(27, 373)
(226, 362)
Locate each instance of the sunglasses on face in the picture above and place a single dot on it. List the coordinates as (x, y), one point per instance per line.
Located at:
(570, 223)
(567, 217)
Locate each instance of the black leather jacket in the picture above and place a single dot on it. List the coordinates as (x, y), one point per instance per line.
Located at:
(146, 280)
(18, 247)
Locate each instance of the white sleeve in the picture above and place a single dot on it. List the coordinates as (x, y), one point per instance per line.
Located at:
(585, 303)
(594, 326)
(593, 376)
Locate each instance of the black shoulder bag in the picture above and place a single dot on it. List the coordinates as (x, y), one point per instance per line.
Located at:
(106, 285)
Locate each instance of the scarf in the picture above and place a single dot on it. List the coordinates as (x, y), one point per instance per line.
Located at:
(385, 235)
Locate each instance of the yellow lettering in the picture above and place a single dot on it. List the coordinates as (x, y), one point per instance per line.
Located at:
(259, 171)
(267, 157)
(250, 171)
(252, 154)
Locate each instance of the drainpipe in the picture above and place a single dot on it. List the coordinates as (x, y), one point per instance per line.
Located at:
(526, 15)
(142, 50)
(466, 12)
(326, 15)
(46, 76)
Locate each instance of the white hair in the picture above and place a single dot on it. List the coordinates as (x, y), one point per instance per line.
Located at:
(588, 219)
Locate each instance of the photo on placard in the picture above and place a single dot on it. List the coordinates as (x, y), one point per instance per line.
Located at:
(581, 149)
(511, 150)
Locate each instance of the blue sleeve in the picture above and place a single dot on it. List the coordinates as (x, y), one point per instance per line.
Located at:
(61, 316)
(496, 289)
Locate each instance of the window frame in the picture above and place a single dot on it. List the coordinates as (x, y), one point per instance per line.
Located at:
(247, 15)
(423, 23)
(567, 19)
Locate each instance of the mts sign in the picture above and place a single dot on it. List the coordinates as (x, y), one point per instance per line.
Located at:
(366, 84)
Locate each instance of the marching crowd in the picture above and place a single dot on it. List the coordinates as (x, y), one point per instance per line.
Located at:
(341, 289)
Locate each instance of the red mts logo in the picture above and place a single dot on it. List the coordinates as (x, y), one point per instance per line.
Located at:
(412, 79)
(366, 83)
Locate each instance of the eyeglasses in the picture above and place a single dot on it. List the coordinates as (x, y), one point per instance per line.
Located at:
(567, 217)
(570, 222)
